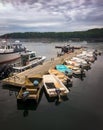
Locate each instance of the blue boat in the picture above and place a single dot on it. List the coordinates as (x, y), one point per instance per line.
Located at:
(64, 69)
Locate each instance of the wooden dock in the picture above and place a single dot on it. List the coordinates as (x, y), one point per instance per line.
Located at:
(18, 79)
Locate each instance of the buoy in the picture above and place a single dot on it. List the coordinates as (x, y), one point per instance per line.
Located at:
(35, 82)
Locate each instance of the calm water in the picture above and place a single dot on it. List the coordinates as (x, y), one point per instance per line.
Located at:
(82, 111)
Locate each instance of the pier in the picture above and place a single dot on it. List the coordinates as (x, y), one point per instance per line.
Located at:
(18, 79)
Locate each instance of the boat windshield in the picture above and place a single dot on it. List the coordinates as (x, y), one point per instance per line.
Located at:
(2, 47)
(32, 55)
(6, 47)
(9, 47)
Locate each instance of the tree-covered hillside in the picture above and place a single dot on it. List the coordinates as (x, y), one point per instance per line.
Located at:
(89, 35)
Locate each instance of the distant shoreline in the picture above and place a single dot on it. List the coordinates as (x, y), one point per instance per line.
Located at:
(93, 35)
(48, 40)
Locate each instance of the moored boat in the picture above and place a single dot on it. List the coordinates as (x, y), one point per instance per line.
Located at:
(28, 60)
(64, 69)
(82, 62)
(71, 63)
(54, 86)
(31, 89)
(76, 70)
(10, 51)
(65, 79)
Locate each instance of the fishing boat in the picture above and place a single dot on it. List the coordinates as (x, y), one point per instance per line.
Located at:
(64, 69)
(28, 60)
(65, 79)
(10, 51)
(31, 88)
(54, 86)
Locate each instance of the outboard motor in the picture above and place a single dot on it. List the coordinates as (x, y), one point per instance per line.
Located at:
(5, 71)
(66, 72)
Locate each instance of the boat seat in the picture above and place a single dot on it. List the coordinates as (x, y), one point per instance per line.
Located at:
(31, 90)
(60, 76)
(62, 80)
(57, 85)
(50, 85)
(62, 89)
(31, 96)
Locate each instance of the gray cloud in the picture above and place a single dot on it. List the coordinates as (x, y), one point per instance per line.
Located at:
(69, 14)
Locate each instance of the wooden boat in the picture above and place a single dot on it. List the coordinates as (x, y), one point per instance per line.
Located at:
(28, 60)
(31, 88)
(54, 86)
(64, 69)
(65, 79)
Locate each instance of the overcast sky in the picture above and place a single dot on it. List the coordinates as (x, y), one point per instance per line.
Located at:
(50, 15)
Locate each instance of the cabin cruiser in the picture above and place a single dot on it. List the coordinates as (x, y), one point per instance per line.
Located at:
(28, 60)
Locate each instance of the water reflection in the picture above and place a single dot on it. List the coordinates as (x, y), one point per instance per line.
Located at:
(23, 105)
(27, 106)
(57, 100)
(69, 85)
(12, 89)
(31, 104)
(84, 106)
(81, 76)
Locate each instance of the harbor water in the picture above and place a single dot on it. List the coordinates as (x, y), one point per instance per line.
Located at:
(83, 110)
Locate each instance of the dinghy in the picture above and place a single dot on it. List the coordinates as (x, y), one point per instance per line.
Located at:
(54, 86)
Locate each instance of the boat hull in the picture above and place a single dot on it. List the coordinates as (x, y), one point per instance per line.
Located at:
(30, 64)
(4, 58)
(64, 69)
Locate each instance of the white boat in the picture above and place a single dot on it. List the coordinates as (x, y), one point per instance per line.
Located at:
(73, 63)
(79, 60)
(10, 51)
(54, 86)
(82, 62)
(88, 55)
(28, 60)
(76, 70)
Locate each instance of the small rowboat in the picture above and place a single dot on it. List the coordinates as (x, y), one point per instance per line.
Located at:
(65, 79)
(31, 88)
(54, 86)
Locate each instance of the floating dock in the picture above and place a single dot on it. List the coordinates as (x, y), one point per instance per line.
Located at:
(18, 79)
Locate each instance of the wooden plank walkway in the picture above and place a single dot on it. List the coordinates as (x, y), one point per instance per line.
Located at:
(18, 79)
